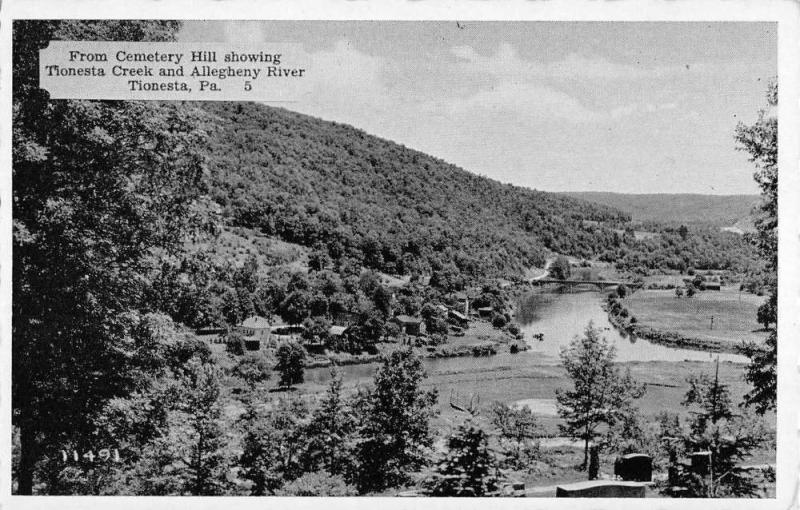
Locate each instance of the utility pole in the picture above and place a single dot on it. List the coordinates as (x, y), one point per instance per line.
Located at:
(712, 322)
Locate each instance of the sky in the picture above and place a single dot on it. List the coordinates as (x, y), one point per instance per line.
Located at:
(556, 106)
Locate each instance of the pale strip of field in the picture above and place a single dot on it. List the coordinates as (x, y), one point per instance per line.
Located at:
(733, 312)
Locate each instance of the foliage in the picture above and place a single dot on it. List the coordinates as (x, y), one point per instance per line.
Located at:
(271, 445)
(600, 394)
(331, 440)
(98, 187)
(760, 141)
(291, 357)
(704, 247)
(727, 436)
(192, 456)
(560, 268)
(395, 424)
(253, 369)
(468, 468)
(518, 424)
(380, 205)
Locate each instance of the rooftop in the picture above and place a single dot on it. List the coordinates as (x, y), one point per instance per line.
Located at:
(255, 322)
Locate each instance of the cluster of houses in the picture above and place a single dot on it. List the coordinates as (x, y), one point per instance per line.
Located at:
(258, 333)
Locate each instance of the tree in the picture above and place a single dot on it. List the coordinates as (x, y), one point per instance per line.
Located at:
(191, 458)
(395, 432)
(600, 394)
(560, 269)
(678, 292)
(98, 186)
(272, 443)
(690, 290)
(516, 424)
(291, 357)
(330, 434)
(760, 142)
(728, 437)
(253, 369)
(468, 469)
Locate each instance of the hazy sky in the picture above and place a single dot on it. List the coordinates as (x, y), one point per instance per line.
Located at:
(556, 106)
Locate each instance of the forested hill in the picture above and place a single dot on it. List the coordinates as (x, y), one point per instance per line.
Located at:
(358, 197)
(720, 210)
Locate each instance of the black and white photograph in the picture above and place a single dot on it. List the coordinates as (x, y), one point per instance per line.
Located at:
(448, 257)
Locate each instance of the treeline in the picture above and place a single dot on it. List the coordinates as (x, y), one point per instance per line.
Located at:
(681, 248)
(384, 206)
(173, 437)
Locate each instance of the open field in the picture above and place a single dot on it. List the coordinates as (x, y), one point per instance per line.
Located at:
(734, 313)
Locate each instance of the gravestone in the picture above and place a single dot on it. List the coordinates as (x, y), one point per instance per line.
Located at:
(636, 467)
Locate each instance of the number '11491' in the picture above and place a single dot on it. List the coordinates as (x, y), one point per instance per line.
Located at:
(104, 455)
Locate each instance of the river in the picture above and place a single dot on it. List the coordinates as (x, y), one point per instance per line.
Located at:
(559, 317)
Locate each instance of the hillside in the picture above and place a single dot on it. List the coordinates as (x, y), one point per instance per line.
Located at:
(352, 196)
(719, 210)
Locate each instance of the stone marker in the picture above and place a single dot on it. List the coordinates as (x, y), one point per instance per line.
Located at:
(601, 489)
(636, 467)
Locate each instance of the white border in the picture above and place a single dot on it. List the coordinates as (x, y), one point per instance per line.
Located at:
(786, 12)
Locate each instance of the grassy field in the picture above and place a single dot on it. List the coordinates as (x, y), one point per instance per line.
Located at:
(734, 313)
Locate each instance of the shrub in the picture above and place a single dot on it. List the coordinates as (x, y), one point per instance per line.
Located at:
(498, 321)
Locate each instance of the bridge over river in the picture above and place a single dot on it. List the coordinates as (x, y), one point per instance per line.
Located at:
(600, 284)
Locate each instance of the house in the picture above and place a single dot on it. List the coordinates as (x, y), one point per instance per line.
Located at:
(410, 325)
(337, 331)
(256, 332)
(458, 318)
(486, 312)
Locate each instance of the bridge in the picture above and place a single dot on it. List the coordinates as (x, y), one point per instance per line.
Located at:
(600, 284)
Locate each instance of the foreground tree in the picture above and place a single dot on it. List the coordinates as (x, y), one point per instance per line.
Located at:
(272, 443)
(760, 141)
(330, 434)
(729, 439)
(395, 434)
(468, 468)
(600, 394)
(98, 187)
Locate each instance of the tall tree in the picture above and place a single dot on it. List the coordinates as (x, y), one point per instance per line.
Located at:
(330, 435)
(396, 432)
(760, 141)
(728, 437)
(469, 467)
(600, 394)
(98, 187)
(192, 457)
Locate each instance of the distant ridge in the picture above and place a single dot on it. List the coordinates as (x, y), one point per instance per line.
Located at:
(720, 210)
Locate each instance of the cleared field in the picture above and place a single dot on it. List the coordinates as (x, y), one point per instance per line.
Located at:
(734, 313)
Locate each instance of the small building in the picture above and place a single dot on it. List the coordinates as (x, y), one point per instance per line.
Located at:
(256, 332)
(711, 286)
(486, 312)
(286, 332)
(337, 331)
(410, 325)
(458, 318)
